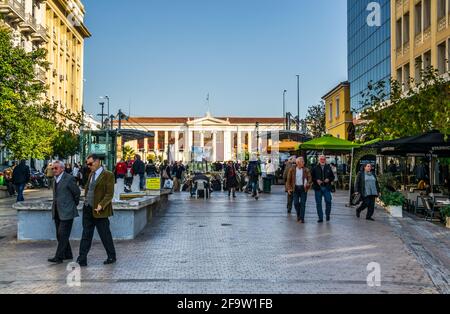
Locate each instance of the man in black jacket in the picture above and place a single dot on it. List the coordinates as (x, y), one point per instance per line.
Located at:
(323, 177)
(21, 176)
(139, 169)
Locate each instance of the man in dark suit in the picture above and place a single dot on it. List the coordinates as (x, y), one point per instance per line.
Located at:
(323, 177)
(97, 210)
(66, 197)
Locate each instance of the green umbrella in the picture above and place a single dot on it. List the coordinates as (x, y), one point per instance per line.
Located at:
(329, 142)
(375, 141)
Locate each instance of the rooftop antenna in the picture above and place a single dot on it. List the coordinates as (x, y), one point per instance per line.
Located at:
(208, 112)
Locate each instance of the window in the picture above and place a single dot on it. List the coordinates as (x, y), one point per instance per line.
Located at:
(399, 33)
(400, 75)
(427, 14)
(406, 28)
(418, 70)
(338, 108)
(331, 112)
(407, 76)
(441, 8)
(418, 18)
(442, 62)
(427, 61)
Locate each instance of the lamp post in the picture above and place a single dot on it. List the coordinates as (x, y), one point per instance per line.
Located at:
(284, 104)
(107, 99)
(257, 137)
(102, 115)
(298, 102)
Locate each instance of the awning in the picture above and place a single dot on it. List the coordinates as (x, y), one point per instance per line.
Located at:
(329, 143)
(133, 135)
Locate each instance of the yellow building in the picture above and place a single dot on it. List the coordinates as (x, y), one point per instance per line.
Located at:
(420, 34)
(66, 33)
(339, 117)
(58, 26)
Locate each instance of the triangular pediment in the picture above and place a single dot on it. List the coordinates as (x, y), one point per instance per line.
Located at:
(208, 120)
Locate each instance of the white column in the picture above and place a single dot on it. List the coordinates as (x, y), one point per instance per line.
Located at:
(250, 142)
(214, 143)
(144, 158)
(166, 144)
(156, 143)
(177, 146)
(239, 143)
(190, 143)
(227, 145)
(202, 139)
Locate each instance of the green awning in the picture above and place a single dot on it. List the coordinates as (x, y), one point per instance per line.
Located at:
(375, 141)
(329, 142)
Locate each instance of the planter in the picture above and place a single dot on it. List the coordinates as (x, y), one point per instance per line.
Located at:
(395, 211)
(447, 220)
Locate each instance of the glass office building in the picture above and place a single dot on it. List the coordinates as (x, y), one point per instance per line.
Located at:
(369, 48)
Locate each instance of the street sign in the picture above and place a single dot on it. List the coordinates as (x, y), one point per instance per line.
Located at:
(99, 149)
(154, 184)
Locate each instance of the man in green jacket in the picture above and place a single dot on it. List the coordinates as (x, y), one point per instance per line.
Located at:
(97, 210)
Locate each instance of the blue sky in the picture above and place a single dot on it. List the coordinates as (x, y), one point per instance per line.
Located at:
(162, 57)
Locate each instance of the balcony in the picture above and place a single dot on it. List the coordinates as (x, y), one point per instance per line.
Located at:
(41, 75)
(29, 24)
(12, 10)
(442, 24)
(41, 34)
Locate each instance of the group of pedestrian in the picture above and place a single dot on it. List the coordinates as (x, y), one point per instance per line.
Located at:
(97, 209)
(300, 179)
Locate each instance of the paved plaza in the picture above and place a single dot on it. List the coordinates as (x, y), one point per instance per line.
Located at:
(242, 246)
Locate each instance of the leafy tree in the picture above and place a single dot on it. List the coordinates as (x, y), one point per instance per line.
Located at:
(421, 109)
(30, 126)
(317, 120)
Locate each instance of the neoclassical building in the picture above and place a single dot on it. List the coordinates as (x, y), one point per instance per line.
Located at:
(217, 138)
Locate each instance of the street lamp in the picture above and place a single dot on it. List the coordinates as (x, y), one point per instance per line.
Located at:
(102, 115)
(298, 102)
(257, 137)
(284, 104)
(107, 99)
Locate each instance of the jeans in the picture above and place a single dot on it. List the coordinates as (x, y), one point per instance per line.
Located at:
(324, 192)
(369, 203)
(300, 197)
(142, 181)
(20, 188)
(254, 183)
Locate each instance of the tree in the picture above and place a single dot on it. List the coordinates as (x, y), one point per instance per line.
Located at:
(29, 125)
(421, 109)
(317, 120)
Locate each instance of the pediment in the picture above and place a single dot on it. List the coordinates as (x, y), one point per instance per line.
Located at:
(208, 121)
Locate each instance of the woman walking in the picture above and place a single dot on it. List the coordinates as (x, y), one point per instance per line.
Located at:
(231, 179)
(367, 186)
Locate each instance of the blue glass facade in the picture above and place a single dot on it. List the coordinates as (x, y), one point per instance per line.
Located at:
(369, 48)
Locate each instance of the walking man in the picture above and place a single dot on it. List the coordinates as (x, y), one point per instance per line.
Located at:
(97, 210)
(323, 177)
(66, 197)
(290, 196)
(139, 169)
(21, 176)
(298, 184)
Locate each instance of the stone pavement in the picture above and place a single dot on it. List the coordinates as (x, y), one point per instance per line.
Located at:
(243, 246)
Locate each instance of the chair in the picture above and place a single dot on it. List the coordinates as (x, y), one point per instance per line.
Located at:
(202, 185)
(429, 208)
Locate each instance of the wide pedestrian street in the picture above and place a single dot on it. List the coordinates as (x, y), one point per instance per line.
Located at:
(243, 246)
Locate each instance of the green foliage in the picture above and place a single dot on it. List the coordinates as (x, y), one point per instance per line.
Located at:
(66, 144)
(392, 198)
(29, 125)
(423, 108)
(317, 120)
(445, 212)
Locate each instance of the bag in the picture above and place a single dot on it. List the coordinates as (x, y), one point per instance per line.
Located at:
(168, 184)
(356, 199)
(333, 188)
(165, 175)
(129, 174)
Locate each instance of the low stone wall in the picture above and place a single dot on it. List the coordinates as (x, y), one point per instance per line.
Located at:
(130, 218)
(3, 192)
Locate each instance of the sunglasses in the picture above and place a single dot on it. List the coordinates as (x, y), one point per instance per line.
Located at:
(90, 164)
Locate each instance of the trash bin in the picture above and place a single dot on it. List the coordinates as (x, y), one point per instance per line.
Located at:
(267, 185)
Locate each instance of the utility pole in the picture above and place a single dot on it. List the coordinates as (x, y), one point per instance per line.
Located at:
(284, 105)
(298, 102)
(257, 137)
(103, 114)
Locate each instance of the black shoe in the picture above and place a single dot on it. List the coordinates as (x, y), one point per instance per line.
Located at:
(55, 260)
(234, 195)
(370, 219)
(289, 212)
(82, 262)
(358, 214)
(110, 261)
(320, 221)
(328, 218)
